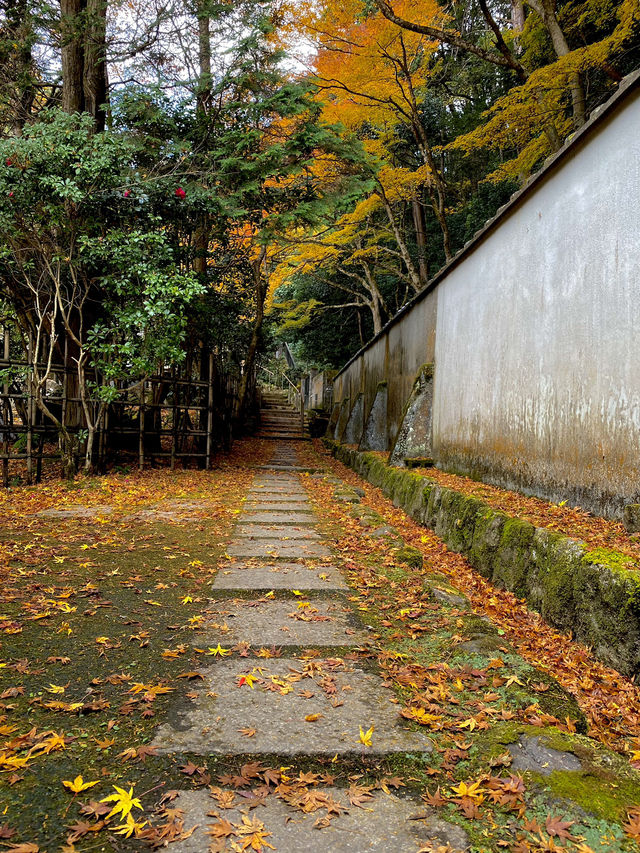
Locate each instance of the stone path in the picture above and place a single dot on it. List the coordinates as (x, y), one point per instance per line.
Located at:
(309, 703)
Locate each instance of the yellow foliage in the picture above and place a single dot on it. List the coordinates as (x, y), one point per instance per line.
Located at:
(517, 120)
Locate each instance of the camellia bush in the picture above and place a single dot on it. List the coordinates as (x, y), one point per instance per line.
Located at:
(85, 259)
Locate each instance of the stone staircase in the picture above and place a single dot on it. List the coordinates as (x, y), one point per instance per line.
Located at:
(279, 419)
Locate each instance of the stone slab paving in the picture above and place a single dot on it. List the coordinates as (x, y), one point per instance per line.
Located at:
(529, 753)
(274, 548)
(276, 517)
(283, 623)
(272, 531)
(306, 708)
(346, 701)
(271, 495)
(278, 496)
(279, 505)
(76, 511)
(387, 824)
(282, 575)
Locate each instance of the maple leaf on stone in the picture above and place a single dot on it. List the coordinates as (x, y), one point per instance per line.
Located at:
(221, 829)
(253, 835)
(224, 799)
(390, 782)
(365, 737)
(359, 794)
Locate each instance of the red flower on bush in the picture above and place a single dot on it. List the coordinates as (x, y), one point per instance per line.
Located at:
(127, 193)
(180, 193)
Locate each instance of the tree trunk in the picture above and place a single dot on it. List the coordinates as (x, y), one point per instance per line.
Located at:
(204, 56)
(72, 47)
(19, 66)
(546, 10)
(414, 276)
(94, 81)
(421, 239)
(83, 47)
(250, 358)
(201, 235)
(517, 16)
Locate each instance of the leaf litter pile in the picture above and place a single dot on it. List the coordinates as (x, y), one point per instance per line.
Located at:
(105, 592)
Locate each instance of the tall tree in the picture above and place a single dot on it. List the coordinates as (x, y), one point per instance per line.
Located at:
(83, 27)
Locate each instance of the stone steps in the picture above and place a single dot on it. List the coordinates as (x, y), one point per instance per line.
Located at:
(299, 707)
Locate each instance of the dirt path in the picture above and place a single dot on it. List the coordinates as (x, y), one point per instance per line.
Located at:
(227, 666)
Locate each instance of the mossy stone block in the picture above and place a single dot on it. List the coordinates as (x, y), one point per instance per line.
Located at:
(377, 471)
(409, 555)
(487, 533)
(608, 608)
(457, 520)
(513, 556)
(433, 506)
(631, 518)
(551, 578)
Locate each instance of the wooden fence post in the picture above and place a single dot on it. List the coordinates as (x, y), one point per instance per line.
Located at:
(174, 418)
(210, 415)
(29, 409)
(6, 412)
(141, 430)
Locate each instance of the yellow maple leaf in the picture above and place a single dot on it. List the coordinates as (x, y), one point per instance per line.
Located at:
(187, 599)
(365, 737)
(50, 744)
(129, 827)
(473, 791)
(124, 801)
(78, 784)
(218, 651)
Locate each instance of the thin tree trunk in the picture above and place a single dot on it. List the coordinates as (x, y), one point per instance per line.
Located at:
(546, 11)
(204, 56)
(19, 66)
(414, 276)
(250, 359)
(421, 239)
(201, 235)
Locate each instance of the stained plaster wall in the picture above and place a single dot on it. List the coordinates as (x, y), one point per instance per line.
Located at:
(535, 332)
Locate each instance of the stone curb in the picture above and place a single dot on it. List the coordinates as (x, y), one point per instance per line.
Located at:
(591, 593)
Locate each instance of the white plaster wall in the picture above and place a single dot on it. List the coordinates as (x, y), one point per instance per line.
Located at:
(538, 333)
